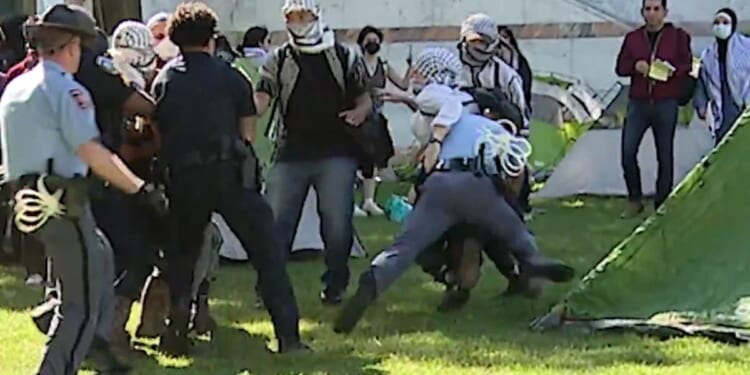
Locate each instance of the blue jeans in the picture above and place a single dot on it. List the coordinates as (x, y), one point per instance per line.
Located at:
(333, 180)
(661, 117)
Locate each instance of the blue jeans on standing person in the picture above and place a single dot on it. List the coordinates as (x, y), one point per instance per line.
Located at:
(333, 180)
(661, 117)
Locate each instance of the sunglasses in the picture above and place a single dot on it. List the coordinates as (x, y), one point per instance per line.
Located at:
(652, 9)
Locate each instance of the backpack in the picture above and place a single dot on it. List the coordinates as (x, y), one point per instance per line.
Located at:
(284, 52)
(369, 136)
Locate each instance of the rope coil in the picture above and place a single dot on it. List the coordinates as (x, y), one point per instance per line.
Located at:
(33, 208)
(513, 152)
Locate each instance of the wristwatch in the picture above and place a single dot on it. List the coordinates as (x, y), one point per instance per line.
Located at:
(435, 140)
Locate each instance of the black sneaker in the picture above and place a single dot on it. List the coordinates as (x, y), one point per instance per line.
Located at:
(353, 310)
(292, 346)
(329, 298)
(552, 270)
(104, 361)
(175, 343)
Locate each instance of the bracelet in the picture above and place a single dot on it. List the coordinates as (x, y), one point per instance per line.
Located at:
(435, 140)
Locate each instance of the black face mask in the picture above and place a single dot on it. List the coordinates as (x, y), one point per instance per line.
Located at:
(372, 48)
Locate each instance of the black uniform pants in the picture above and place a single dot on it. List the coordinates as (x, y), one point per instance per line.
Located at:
(124, 222)
(196, 193)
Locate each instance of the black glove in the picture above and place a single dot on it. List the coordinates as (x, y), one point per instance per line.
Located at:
(152, 197)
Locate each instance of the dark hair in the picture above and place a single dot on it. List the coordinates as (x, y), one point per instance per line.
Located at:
(663, 4)
(224, 50)
(369, 30)
(505, 29)
(732, 14)
(254, 36)
(12, 27)
(192, 25)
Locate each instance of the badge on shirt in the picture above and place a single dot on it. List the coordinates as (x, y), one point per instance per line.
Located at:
(81, 99)
(107, 65)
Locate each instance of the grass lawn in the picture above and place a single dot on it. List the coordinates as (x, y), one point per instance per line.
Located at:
(402, 333)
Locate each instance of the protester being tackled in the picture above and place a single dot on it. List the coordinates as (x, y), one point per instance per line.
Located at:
(463, 166)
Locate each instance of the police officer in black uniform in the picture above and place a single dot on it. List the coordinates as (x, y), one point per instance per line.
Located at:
(206, 118)
(116, 214)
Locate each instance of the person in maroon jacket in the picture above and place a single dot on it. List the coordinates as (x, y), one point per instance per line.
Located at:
(654, 103)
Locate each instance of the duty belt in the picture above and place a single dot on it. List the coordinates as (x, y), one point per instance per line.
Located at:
(197, 159)
(459, 165)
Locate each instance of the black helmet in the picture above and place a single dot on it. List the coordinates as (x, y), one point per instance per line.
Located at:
(66, 18)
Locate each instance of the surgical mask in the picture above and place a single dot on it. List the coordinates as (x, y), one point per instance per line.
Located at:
(372, 48)
(166, 50)
(722, 31)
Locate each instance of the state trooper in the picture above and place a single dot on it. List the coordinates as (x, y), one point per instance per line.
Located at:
(206, 118)
(466, 157)
(482, 68)
(50, 140)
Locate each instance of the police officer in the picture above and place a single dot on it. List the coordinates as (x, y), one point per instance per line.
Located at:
(205, 115)
(460, 187)
(50, 137)
(116, 84)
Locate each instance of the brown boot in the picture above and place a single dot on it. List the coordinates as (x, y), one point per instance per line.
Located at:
(634, 209)
(119, 338)
(155, 308)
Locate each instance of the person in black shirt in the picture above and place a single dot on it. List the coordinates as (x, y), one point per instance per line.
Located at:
(323, 100)
(118, 217)
(206, 118)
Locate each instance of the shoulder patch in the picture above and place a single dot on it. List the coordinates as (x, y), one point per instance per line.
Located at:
(81, 99)
(107, 65)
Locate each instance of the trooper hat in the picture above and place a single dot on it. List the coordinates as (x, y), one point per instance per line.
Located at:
(66, 18)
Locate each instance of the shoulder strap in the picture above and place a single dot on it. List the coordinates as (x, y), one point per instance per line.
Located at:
(343, 54)
(497, 75)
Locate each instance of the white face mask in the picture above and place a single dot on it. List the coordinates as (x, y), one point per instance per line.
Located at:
(302, 29)
(166, 50)
(722, 31)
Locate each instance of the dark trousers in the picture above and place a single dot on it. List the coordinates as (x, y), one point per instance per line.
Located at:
(661, 117)
(435, 259)
(123, 221)
(194, 195)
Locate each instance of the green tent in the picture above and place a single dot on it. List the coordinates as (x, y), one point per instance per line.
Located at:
(685, 270)
(554, 128)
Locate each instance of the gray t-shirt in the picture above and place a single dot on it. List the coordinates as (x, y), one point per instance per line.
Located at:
(45, 114)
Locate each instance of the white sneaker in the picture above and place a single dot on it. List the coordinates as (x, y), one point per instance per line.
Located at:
(34, 280)
(372, 208)
(358, 212)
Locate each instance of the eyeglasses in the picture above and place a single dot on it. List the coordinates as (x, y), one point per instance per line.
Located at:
(722, 21)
